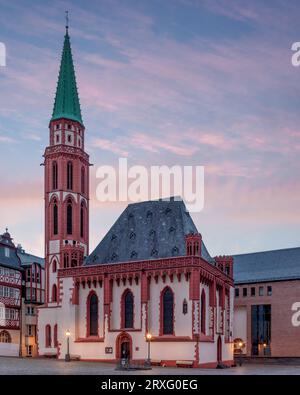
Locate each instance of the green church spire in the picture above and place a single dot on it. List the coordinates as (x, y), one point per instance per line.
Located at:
(66, 103)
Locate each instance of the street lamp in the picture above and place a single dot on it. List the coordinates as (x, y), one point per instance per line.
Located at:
(67, 356)
(241, 345)
(149, 338)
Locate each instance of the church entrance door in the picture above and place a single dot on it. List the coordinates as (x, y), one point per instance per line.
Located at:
(124, 346)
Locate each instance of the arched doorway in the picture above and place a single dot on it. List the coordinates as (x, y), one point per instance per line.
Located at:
(219, 349)
(124, 346)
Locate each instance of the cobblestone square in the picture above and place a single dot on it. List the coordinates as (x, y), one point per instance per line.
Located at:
(38, 366)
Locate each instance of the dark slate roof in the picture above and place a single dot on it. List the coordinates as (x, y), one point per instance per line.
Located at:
(267, 266)
(28, 259)
(12, 261)
(147, 230)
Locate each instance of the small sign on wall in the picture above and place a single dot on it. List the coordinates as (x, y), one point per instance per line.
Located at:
(108, 350)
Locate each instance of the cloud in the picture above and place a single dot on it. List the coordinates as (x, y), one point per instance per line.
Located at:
(7, 139)
(108, 145)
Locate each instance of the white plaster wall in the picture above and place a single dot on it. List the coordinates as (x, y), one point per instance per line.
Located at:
(53, 277)
(240, 324)
(53, 246)
(46, 316)
(173, 351)
(208, 351)
(9, 349)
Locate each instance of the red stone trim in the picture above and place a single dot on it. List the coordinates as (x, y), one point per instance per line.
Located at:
(91, 339)
(168, 338)
(153, 267)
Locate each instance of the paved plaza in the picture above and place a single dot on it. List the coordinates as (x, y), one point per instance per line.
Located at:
(15, 366)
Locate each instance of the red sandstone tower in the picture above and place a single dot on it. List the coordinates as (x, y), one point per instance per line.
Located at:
(66, 180)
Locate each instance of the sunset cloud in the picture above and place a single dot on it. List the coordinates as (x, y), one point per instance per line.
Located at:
(190, 82)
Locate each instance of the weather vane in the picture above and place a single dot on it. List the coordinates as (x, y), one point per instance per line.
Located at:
(67, 20)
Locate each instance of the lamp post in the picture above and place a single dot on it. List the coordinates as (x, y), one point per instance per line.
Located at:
(148, 338)
(241, 345)
(67, 356)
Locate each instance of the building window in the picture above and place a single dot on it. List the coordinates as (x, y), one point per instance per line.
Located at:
(93, 315)
(167, 312)
(28, 294)
(184, 307)
(33, 292)
(252, 291)
(69, 217)
(29, 330)
(82, 220)
(128, 309)
(6, 251)
(82, 180)
(48, 336)
(54, 266)
(54, 293)
(38, 278)
(237, 292)
(5, 337)
(269, 290)
(54, 175)
(261, 291)
(203, 312)
(55, 335)
(70, 175)
(261, 329)
(245, 292)
(66, 260)
(55, 218)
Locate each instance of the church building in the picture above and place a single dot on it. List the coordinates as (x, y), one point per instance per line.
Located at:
(151, 278)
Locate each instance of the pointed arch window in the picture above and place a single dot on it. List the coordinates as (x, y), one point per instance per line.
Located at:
(70, 175)
(82, 219)
(93, 315)
(55, 218)
(54, 293)
(54, 266)
(55, 336)
(167, 312)
(82, 180)
(69, 217)
(54, 175)
(128, 308)
(203, 312)
(48, 336)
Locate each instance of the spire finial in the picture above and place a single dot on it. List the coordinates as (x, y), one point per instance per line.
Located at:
(67, 21)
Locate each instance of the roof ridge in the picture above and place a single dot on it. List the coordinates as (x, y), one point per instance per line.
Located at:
(266, 251)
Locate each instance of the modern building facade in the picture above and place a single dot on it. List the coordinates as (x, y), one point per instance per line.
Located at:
(267, 302)
(151, 273)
